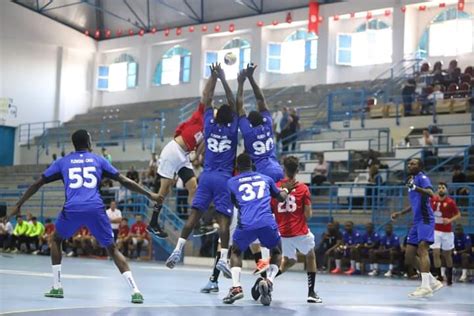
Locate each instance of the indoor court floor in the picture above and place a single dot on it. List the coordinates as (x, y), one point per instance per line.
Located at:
(94, 287)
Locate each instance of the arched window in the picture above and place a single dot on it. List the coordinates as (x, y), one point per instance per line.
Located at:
(236, 47)
(297, 53)
(448, 34)
(370, 44)
(174, 67)
(119, 76)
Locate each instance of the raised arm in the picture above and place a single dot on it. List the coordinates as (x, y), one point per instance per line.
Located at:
(208, 92)
(26, 196)
(261, 104)
(228, 91)
(240, 94)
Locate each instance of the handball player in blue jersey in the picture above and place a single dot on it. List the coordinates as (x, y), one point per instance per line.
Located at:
(220, 138)
(251, 193)
(421, 234)
(257, 132)
(82, 172)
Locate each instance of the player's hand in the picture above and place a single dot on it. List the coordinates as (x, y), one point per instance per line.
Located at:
(250, 70)
(220, 71)
(213, 69)
(411, 184)
(446, 221)
(395, 215)
(289, 185)
(242, 76)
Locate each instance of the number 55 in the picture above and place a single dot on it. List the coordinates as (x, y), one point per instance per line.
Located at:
(87, 174)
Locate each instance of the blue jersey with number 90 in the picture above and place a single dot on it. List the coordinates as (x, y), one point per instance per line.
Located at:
(81, 173)
(258, 140)
(251, 193)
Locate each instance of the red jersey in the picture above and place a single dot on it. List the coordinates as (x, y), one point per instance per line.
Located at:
(443, 209)
(290, 214)
(192, 129)
(83, 231)
(123, 231)
(138, 228)
(49, 229)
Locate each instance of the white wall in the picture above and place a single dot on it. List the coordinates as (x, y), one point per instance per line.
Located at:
(46, 68)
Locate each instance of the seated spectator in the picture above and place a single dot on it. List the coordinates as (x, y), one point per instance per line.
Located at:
(389, 248)
(123, 237)
(133, 174)
(320, 171)
(20, 234)
(106, 155)
(6, 231)
(35, 233)
(82, 242)
(329, 241)
(434, 96)
(462, 251)
(45, 239)
(368, 242)
(347, 249)
(459, 177)
(115, 217)
(408, 96)
(138, 236)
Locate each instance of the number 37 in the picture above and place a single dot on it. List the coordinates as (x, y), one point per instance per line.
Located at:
(249, 190)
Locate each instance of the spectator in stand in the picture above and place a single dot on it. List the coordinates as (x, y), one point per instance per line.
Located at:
(20, 234)
(329, 241)
(84, 241)
(115, 217)
(348, 249)
(106, 155)
(138, 236)
(35, 233)
(285, 119)
(123, 236)
(459, 177)
(153, 165)
(368, 242)
(289, 134)
(45, 239)
(54, 157)
(277, 117)
(427, 141)
(133, 174)
(6, 231)
(436, 95)
(320, 171)
(408, 96)
(462, 251)
(389, 248)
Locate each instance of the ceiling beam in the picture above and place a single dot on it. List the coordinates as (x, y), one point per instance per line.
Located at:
(148, 13)
(61, 6)
(193, 11)
(252, 6)
(108, 12)
(135, 14)
(45, 6)
(180, 12)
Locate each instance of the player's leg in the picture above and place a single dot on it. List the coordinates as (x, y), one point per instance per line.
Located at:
(354, 255)
(436, 248)
(212, 284)
(374, 266)
(139, 246)
(154, 226)
(393, 255)
(338, 253)
(465, 263)
(447, 247)
(224, 232)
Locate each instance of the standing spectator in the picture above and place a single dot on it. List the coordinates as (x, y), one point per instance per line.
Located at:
(320, 171)
(408, 96)
(6, 231)
(20, 234)
(348, 249)
(133, 174)
(329, 241)
(153, 165)
(106, 155)
(138, 235)
(115, 217)
(462, 250)
(277, 118)
(389, 249)
(289, 134)
(35, 233)
(123, 237)
(284, 119)
(45, 239)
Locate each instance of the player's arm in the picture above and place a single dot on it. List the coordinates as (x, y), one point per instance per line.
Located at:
(455, 217)
(425, 189)
(135, 187)
(308, 211)
(208, 92)
(395, 215)
(261, 104)
(240, 94)
(228, 92)
(27, 195)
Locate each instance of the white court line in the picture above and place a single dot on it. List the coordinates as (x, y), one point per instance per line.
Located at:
(49, 274)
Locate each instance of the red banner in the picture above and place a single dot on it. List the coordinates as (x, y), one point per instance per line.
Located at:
(313, 20)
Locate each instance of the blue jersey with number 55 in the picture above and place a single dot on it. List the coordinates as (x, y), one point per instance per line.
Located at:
(251, 193)
(258, 140)
(220, 142)
(81, 173)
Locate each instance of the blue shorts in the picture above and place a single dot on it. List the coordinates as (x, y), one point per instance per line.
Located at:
(96, 220)
(213, 187)
(270, 168)
(421, 232)
(268, 236)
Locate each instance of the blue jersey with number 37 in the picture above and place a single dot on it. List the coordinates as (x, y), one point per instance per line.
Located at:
(258, 140)
(81, 173)
(251, 193)
(221, 143)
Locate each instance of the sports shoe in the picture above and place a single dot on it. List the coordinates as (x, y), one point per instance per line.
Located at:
(463, 278)
(235, 293)
(373, 273)
(70, 254)
(314, 298)
(56, 293)
(421, 292)
(204, 230)
(173, 259)
(350, 272)
(137, 298)
(265, 287)
(262, 266)
(255, 291)
(14, 251)
(440, 278)
(223, 267)
(388, 274)
(336, 271)
(157, 231)
(35, 252)
(436, 286)
(210, 287)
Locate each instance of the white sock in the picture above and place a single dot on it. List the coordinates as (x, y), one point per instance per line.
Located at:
(357, 265)
(224, 254)
(265, 253)
(236, 276)
(433, 280)
(464, 273)
(131, 282)
(425, 279)
(390, 267)
(272, 272)
(353, 264)
(57, 276)
(443, 271)
(180, 244)
(338, 263)
(376, 266)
